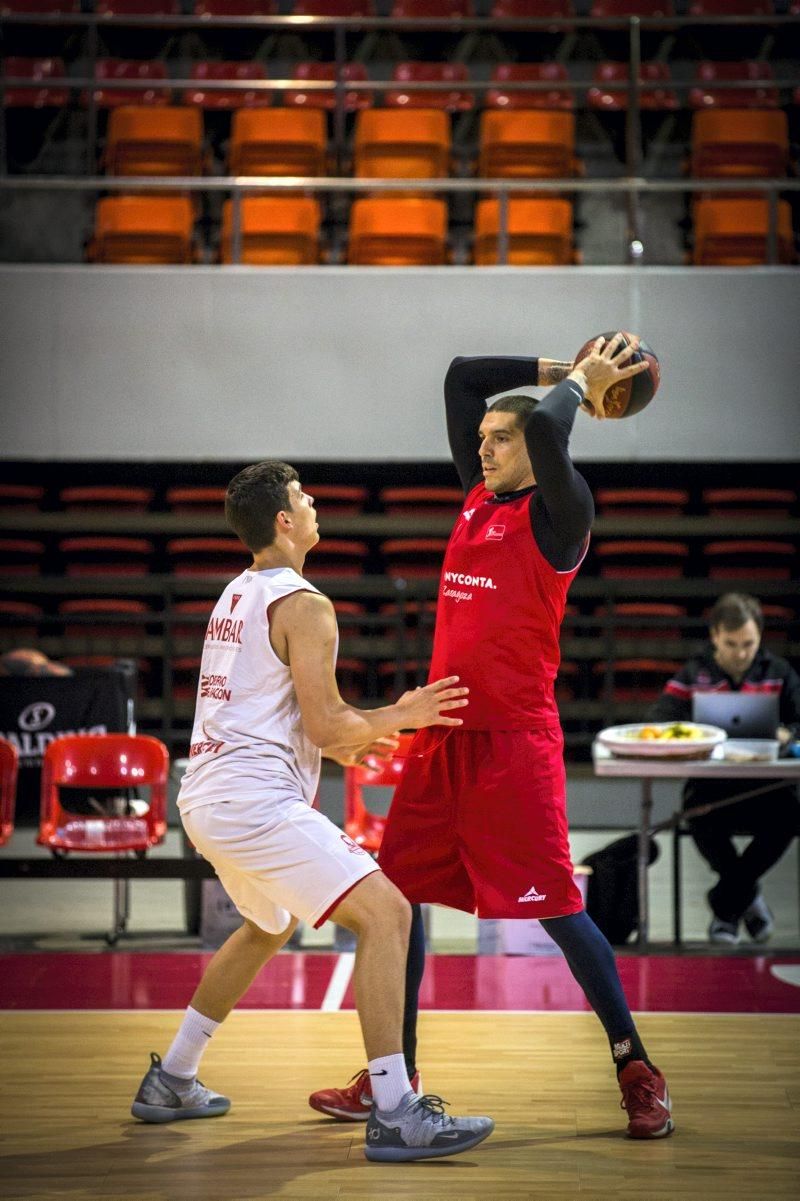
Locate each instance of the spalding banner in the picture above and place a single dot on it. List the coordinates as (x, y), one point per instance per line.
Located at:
(36, 709)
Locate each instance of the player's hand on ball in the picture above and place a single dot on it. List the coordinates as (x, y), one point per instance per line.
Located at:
(427, 706)
(606, 365)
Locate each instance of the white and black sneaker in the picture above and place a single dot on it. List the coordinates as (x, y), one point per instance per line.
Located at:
(758, 920)
(723, 932)
(420, 1129)
(165, 1098)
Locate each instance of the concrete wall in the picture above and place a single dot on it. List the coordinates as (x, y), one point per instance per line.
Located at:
(238, 363)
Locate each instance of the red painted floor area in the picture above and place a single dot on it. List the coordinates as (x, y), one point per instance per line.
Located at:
(122, 980)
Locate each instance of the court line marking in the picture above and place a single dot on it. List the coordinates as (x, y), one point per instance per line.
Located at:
(672, 1013)
(337, 987)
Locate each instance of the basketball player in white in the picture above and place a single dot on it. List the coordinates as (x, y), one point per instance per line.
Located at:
(268, 706)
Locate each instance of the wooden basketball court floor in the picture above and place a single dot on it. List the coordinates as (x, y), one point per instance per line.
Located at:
(542, 1070)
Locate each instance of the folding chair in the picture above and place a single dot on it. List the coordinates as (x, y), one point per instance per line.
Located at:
(106, 496)
(109, 761)
(194, 500)
(360, 823)
(641, 558)
(21, 497)
(641, 502)
(754, 559)
(98, 555)
(21, 556)
(9, 766)
(749, 502)
(143, 230)
(422, 502)
(207, 556)
(417, 557)
(337, 557)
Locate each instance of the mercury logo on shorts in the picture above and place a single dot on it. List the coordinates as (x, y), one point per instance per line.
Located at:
(352, 847)
(533, 894)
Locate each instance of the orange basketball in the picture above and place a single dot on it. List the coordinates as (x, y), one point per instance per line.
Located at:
(632, 395)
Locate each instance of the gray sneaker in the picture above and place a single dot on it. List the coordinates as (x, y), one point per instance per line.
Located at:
(420, 1129)
(758, 920)
(164, 1098)
(723, 932)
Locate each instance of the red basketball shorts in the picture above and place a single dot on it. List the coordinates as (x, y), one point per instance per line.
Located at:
(478, 822)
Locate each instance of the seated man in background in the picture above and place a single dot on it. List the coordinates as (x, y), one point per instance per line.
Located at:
(736, 661)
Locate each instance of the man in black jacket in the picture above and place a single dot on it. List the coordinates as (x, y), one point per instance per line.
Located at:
(736, 661)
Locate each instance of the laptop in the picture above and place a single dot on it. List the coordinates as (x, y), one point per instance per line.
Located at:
(739, 714)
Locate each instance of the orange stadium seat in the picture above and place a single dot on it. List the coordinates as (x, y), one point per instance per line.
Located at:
(275, 231)
(21, 556)
(422, 502)
(192, 500)
(333, 8)
(754, 559)
(521, 10)
(326, 72)
(399, 144)
(119, 68)
(418, 557)
(277, 141)
(552, 98)
(45, 71)
(21, 496)
(337, 498)
(97, 555)
(9, 765)
(207, 556)
(106, 496)
(433, 9)
(398, 232)
(659, 98)
(337, 557)
(410, 73)
(143, 230)
(363, 826)
(166, 140)
(235, 8)
(526, 144)
(749, 502)
(643, 558)
(735, 232)
(539, 232)
(705, 95)
(219, 99)
(641, 502)
(631, 8)
(740, 142)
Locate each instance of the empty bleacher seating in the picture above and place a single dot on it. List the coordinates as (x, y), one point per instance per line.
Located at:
(277, 141)
(655, 93)
(734, 232)
(527, 143)
(46, 71)
(398, 232)
(539, 232)
(222, 98)
(740, 143)
(275, 231)
(313, 72)
(114, 69)
(707, 74)
(402, 144)
(143, 230)
(510, 98)
(411, 73)
(165, 140)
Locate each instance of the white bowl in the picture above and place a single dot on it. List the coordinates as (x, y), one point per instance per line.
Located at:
(623, 741)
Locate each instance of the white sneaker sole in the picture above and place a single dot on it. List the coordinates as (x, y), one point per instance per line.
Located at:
(163, 1113)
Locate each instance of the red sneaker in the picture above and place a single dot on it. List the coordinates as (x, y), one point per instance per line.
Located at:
(646, 1098)
(353, 1102)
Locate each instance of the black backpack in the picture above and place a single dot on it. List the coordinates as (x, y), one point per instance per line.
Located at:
(612, 897)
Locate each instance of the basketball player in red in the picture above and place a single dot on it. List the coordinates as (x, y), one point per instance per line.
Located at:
(478, 821)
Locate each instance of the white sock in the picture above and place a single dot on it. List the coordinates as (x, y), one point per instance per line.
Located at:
(183, 1057)
(389, 1080)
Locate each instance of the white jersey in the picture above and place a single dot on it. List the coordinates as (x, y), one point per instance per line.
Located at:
(248, 737)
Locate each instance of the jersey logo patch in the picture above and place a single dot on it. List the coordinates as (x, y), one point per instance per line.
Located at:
(495, 533)
(237, 596)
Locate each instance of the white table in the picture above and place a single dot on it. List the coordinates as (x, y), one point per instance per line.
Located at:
(648, 769)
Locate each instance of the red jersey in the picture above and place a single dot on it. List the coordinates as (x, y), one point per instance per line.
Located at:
(498, 616)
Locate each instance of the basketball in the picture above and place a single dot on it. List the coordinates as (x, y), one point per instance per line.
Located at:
(629, 396)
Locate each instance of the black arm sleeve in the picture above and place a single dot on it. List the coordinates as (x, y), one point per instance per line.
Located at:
(562, 509)
(670, 707)
(467, 385)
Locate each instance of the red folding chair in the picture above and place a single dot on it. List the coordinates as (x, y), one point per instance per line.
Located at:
(410, 73)
(360, 823)
(137, 69)
(21, 618)
(219, 99)
(555, 73)
(752, 559)
(45, 71)
(326, 73)
(659, 98)
(9, 764)
(126, 762)
(705, 95)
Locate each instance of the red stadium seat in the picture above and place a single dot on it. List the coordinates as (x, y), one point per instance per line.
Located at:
(326, 72)
(348, 617)
(333, 8)
(123, 761)
(418, 557)
(337, 498)
(20, 618)
(422, 502)
(351, 678)
(400, 144)
(539, 232)
(554, 98)
(754, 559)
(9, 7)
(235, 8)
(192, 500)
(364, 827)
(526, 144)
(642, 558)
(207, 556)
(637, 680)
(106, 496)
(642, 620)
(749, 502)
(277, 141)
(43, 70)
(409, 73)
(658, 99)
(21, 556)
(735, 232)
(166, 140)
(433, 9)
(275, 231)
(740, 143)
(133, 8)
(631, 8)
(143, 230)
(730, 8)
(398, 232)
(641, 502)
(222, 100)
(93, 555)
(337, 557)
(9, 764)
(21, 496)
(705, 95)
(118, 68)
(530, 10)
(99, 609)
(193, 616)
(185, 675)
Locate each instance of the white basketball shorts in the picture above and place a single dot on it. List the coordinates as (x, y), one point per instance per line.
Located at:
(277, 858)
